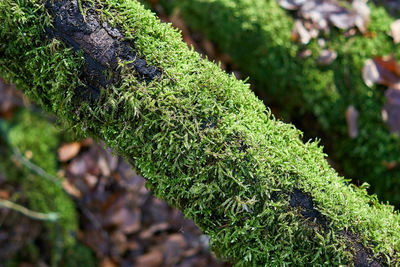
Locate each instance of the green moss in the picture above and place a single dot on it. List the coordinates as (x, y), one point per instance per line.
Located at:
(204, 143)
(32, 134)
(257, 36)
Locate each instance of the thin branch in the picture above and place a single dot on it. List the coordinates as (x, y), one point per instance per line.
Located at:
(35, 168)
(52, 216)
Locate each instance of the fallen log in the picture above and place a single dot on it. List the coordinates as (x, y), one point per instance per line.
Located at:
(109, 69)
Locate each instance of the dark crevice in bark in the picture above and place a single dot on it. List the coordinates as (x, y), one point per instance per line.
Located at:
(103, 46)
(363, 257)
(300, 199)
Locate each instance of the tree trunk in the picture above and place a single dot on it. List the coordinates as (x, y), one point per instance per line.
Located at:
(203, 141)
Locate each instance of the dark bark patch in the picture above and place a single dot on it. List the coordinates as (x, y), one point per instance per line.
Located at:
(363, 257)
(300, 199)
(103, 45)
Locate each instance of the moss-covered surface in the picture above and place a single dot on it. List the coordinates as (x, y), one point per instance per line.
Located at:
(34, 136)
(257, 34)
(204, 142)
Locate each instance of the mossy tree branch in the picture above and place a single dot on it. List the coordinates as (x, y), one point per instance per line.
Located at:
(200, 137)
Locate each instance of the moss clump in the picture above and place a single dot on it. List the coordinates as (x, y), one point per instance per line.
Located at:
(34, 135)
(205, 144)
(257, 36)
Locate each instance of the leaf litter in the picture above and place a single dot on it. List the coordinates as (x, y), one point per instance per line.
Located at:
(386, 71)
(314, 17)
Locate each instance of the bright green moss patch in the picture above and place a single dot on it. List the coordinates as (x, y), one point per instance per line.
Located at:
(257, 36)
(207, 145)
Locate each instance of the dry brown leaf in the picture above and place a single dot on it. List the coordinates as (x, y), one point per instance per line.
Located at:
(326, 57)
(127, 220)
(370, 73)
(352, 121)
(388, 63)
(395, 31)
(86, 142)
(119, 242)
(91, 180)
(391, 111)
(28, 154)
(68, 151)
(300, 33)
(107, 262)
(4, 194)
(391, 165)
(103, 165)
(382, 70)
(173, 249)
(361, 12)
(304, 53)
(316, 16)
(291, 4)
(159, 227)
(9, 99)
(71, 189)
(386, 71)
(153, 258)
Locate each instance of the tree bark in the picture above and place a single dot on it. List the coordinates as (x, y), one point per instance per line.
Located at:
(203, 141)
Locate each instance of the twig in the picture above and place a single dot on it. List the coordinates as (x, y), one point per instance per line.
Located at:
(35, 168)
(52, 216)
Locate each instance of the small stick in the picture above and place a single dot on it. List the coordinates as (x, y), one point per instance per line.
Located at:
(52, 216)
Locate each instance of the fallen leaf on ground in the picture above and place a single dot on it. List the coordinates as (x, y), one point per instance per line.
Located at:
(390, 165)
(382, 70)
(9, 99)
(391, 111)
(119, 242)
(86, 142)
(121, 221)
(386, 71)
(315, 17)
(326, 57)
(71, 189)
(107, 262)
(151, 259)
(352, 121)
(126, 220)
(146, 234)
(4, 194)
(300, 33)
(68, 151)
(173, 249)
(291, 4)
(395, 31)
(304, 53)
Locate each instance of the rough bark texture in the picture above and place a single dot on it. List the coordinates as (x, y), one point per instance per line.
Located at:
(201, 138)
(103, 46)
